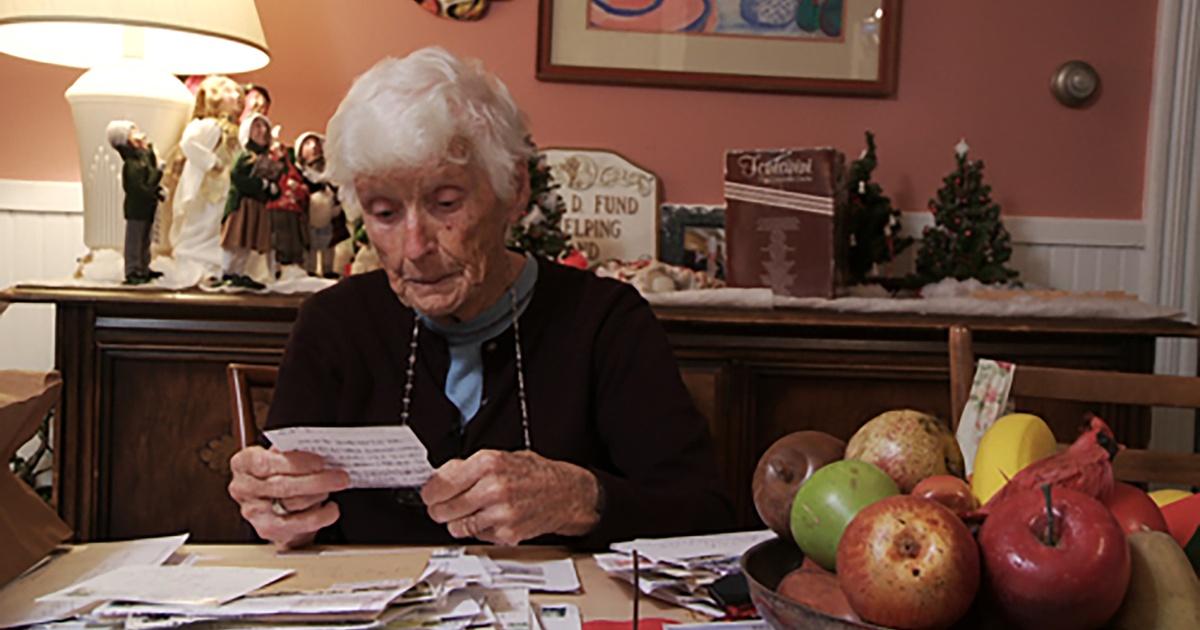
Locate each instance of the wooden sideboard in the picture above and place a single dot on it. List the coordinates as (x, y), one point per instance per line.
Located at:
(143, 440)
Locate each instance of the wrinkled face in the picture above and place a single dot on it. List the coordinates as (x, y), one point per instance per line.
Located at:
(440, 232)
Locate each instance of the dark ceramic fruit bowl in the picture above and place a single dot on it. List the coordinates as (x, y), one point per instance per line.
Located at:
(764, 566)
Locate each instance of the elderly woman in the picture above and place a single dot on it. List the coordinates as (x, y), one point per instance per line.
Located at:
(548, 398)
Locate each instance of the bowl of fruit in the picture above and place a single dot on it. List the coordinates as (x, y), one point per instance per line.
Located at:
(885, 531)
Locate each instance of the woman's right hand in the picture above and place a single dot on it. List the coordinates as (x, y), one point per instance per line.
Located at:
(285, 496)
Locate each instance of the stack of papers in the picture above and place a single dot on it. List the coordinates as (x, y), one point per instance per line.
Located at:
(455, 568)
(21, 600)
(132, 588)
(679, 570)
(462, 590)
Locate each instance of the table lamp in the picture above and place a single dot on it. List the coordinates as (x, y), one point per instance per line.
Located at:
(132, 49)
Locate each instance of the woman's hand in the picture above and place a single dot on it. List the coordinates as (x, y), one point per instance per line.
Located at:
(285, 496)
(506, 498)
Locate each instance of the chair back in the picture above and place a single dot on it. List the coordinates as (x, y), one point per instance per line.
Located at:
(1093, 386)
(250, 389)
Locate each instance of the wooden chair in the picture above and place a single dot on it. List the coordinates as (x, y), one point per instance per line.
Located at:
(250, 389)
(1093, 386)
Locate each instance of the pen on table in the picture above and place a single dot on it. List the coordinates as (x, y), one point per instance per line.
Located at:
(637, 588)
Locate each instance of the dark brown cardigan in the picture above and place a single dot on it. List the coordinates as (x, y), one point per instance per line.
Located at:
(603, 389)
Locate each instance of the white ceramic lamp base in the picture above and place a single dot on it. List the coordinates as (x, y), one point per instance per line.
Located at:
(129, 89)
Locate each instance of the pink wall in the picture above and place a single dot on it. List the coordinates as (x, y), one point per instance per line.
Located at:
(974, 69)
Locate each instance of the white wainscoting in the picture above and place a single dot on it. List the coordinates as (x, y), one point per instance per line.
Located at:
(1068, 254)
(41, 235)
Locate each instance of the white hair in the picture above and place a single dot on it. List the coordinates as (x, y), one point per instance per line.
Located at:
(118, 132)
(426, 109)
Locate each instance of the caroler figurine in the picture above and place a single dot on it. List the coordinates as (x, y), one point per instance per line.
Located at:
(209, 144)
(140, 177)
(253, 182)
(326, 222)
(289, 215)
(258, 101)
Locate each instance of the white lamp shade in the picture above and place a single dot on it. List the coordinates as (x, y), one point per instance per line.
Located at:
(179, 36)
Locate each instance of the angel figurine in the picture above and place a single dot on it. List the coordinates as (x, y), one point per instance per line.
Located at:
(209, 144)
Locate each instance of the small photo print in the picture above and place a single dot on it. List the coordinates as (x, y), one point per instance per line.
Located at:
(704, 250)
(693, 236)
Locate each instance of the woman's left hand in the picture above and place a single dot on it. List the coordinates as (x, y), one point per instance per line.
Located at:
(505, 498)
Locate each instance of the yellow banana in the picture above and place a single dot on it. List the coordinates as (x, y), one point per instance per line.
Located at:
(1012, 443)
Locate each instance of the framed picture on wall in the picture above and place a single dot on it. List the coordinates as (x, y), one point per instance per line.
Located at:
(845, 47)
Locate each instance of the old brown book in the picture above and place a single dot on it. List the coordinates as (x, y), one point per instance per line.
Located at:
(783, 220)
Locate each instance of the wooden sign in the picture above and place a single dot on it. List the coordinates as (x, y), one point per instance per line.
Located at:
(611, 204)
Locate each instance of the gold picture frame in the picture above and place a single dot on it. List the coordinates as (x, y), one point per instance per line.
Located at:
(861, 60)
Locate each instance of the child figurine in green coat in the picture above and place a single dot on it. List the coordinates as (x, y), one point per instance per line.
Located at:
(140, 176)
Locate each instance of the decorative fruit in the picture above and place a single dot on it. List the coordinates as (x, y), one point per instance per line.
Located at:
(790, 461)
(826, 502)
(819, 590)
(906, 562)
(948, 490)
(1167, 496)
(1183, 519)
(908, 445)
(1164, 592)
(1086, 466)
(1134, 510)
(1062, 568)
(1012, 443)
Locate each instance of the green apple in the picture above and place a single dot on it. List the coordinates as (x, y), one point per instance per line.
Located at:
(827, 502)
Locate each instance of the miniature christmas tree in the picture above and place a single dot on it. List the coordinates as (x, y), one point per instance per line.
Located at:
(967, 239)
(873, 224)
(539, 230)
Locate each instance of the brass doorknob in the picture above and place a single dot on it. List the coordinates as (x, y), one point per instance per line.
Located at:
(1075, 83)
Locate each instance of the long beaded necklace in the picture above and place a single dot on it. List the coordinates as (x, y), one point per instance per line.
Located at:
(410, 371)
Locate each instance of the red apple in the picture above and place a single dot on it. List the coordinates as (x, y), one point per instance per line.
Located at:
(1134, 510)
(819, 590)
(789, 462)
(1063, 568)
(908, 445)
(948, 490)
(906, 562)
(1183, 519)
